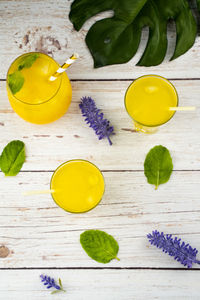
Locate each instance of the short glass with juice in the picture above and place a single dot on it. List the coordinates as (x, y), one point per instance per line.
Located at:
(148, 100)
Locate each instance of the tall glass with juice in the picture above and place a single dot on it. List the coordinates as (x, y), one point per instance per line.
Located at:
(77, 186)
(32, 95)
(148, 100)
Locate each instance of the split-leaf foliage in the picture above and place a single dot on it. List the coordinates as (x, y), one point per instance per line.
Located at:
(115, 40)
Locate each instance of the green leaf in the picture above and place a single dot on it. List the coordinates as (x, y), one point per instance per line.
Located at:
(116, 40)
(60, 283)
(99, 245)
(27, 60)
(15, 81)
(158, 165)
(12, 158)
(56, 291)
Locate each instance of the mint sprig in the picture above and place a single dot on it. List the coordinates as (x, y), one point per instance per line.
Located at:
(99, 245)
(12, 158)
(158, 166)
(16, 79)
(27, 60)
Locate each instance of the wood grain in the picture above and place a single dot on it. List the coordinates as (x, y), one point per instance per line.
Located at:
(102, 284)
(40, 234)
(44, 26)
(35, 233)
(70, 137)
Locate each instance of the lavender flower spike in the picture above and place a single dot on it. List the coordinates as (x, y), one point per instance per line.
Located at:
(182, 252)
(50, 283)
(94, 117)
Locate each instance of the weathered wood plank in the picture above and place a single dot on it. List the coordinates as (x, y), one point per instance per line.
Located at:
(44, 26)
(35, 232)
(49, 145)
(102, 284)
(40, 234)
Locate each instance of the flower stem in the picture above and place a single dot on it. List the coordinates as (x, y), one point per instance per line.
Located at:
(197, 262)
(109, 140)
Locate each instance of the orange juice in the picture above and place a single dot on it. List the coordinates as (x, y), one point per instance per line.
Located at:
(148, 100)
(32, 95)
(77, 185)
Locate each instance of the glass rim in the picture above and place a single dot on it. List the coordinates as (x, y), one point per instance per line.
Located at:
(33, 104)
(158, 76)
(76, 160)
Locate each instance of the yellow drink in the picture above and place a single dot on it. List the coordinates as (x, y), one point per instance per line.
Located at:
(78, 186)
(148, 100)
(32, 96)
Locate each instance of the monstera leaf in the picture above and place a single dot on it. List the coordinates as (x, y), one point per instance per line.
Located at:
(198, 4)
(115, 40)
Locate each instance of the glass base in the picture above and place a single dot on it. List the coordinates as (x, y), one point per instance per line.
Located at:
(145, 129)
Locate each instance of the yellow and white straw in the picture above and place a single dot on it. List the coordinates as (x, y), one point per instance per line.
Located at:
(62, 69)
(183, 108)
(30, 193)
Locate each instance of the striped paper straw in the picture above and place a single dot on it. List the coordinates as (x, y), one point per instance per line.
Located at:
(62, 69)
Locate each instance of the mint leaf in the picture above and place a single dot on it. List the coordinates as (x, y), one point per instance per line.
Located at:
(12, 158)
(99, 245)
(27, 60)
(15, 81)
(158, 166)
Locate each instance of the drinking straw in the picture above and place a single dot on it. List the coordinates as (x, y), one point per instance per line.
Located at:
(183, 108)
(62, 69)
(29, 193)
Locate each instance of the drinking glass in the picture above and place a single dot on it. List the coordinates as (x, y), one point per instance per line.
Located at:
(148, 100)
(77, 186)
(32, 95)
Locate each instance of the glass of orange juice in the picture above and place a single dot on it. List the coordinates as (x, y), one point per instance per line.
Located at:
(32, 95)
(148, 101)
(77, 186)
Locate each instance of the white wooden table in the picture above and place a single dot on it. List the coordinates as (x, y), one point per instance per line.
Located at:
(42, 238)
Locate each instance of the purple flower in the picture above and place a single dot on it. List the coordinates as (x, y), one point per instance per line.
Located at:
(94, 117)
(182, 252)
(50, 283)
